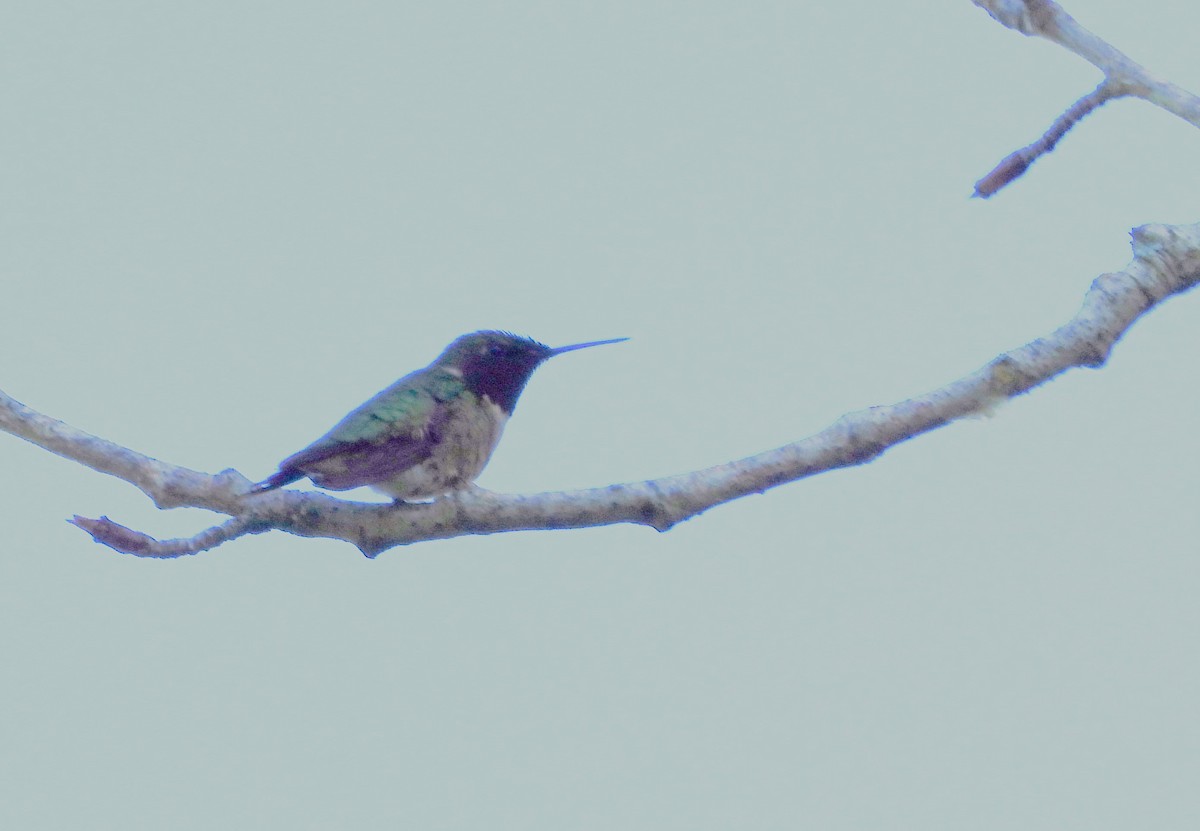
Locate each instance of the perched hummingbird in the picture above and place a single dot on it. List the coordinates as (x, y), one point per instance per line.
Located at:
(432, 431)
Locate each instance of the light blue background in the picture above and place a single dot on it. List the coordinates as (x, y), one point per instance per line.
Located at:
(225, 224)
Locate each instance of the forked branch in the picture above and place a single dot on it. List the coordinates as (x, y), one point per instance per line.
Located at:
(1166, 261)
(1122, 76)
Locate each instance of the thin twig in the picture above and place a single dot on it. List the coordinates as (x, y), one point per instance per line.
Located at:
(127, 541)
(1015, 164)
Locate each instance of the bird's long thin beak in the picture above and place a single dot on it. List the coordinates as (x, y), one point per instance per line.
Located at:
(575, 346)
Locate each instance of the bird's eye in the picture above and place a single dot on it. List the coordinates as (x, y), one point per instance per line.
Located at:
(496, 349)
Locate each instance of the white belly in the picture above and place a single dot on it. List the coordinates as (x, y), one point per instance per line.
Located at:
(466, 445)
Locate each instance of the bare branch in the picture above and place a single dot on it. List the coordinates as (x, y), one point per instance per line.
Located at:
(168, 485)
(1015, 164)
(1166, 261)
(127, 541)
(1122, 77)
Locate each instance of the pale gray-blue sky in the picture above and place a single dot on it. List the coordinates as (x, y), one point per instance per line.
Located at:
(225, 224)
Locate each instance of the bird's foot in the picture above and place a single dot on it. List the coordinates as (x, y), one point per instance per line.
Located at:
(471, 491)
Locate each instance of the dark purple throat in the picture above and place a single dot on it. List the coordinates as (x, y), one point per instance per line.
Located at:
(503, 377)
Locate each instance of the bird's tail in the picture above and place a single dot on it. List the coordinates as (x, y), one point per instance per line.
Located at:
(281, 477)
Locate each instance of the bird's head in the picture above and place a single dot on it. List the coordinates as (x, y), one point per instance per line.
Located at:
(499, 364)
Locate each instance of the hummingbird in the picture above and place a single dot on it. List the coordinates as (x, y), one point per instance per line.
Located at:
(431, 432)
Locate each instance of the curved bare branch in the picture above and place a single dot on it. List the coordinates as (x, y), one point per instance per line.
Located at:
(1166, 261)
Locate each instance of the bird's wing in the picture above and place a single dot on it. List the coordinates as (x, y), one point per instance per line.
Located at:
(387, 435)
